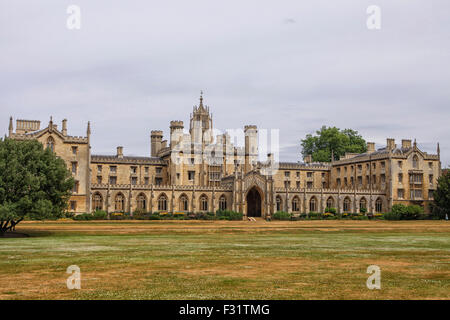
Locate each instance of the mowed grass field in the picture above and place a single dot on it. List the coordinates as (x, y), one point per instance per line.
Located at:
(227, 260)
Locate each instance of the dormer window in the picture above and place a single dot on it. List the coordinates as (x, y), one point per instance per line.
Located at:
(416, 162)
(51, 144)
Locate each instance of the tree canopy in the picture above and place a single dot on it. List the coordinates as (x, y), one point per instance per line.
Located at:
(332, 141)
(33, 182)
(441, 204)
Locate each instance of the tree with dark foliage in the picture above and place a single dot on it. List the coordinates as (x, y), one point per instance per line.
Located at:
(441, 204)
(333, 143)
(33, 183)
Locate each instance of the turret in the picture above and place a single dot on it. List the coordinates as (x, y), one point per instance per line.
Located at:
(251, 146)
(176, 132)
(64, 127)
(156, 139)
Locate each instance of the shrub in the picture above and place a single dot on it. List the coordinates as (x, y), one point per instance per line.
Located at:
(359, 216)
(331, 210)
(117, 216)
(314, 215)
(69, 215)
(392, 216)
(402, 212)
(281, 215)
(413, 212)
(179, 215)
(328, 216)
(228, 215)
(363, 210)
(83, 217)
(100, 215)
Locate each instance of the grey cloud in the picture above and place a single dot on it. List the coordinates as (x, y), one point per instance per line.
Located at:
(130, 60)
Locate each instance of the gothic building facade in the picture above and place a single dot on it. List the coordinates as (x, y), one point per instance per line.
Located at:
(195, 171)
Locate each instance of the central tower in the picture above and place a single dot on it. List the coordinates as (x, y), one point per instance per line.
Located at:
(200, 126)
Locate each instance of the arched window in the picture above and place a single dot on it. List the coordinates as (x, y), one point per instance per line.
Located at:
(313, 204)
(162, 203)
(378, 206)
(51, 144)
(97, 201)
(223, 203)
(184, 203)
(119, 202)
(141, 202)
(330, 202)
(295, 204)
(362, 204)
(416, 162)
(347, 204)
(203, 203)
(279, 204)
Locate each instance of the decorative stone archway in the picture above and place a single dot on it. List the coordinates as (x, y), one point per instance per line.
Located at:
(254, 203)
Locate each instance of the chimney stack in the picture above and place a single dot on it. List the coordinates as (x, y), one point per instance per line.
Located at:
(64, 127)
(406, 144)
(370, 147)
(308, 159)
(120, 152)
(390, 144)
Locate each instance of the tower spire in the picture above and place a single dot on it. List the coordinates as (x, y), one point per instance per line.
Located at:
(10, 128)
(201, 100)
(438, 149)
(88, 131)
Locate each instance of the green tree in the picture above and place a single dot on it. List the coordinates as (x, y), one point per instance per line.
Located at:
(330, 141)
(441, 204)
(33, 182)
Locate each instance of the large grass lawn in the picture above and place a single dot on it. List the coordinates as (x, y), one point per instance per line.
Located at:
(227, 260)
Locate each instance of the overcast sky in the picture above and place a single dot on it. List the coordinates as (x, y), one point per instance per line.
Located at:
(289, 65)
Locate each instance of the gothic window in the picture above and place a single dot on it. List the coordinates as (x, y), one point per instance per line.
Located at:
(379, 206)
(223, 203)
(203, 203)
(97, 201)
(279, 204)
(347, 205)
(51, 144)
(362, 204)
(162, 203)
(313, 204)
(330, 202)
(295, 204)
(184, 204)
(119, 202)
(141, 202)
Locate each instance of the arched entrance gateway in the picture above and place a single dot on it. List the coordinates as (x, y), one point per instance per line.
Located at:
(254, 203)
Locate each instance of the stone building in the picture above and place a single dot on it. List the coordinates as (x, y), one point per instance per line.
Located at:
(194, 172)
